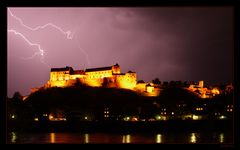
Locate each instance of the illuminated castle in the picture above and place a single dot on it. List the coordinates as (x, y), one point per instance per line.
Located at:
(99, 77)
(105, 76)
(203, 92)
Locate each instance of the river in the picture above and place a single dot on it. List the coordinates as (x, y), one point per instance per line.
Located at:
(116, 138)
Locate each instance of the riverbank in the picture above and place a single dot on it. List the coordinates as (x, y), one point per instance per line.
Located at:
(123, 126)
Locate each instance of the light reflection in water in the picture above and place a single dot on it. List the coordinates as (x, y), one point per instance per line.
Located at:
(126, 138)
(14, 137)
(86, 138)
(52, 137)
(221, 138)
(159, 138)
(193, 138)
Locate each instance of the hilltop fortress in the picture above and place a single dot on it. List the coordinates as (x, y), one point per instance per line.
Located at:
(99, 77)
(111, 77)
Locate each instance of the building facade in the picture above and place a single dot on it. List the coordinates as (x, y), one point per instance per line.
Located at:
(96, 77)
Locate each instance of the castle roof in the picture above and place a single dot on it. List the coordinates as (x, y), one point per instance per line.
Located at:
(62, 69)
(148, 84)
(82, 72)
(118, 73)
(116, 65)
(98, 69)
(140, 81)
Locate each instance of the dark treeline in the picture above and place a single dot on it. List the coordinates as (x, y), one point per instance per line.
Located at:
(79, 101)
(121, 102)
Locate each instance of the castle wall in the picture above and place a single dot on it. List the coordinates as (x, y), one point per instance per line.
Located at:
(201, 84)
(150, 89)
(95, 78)
(58, 83)
(59, 75)
(127, 81)
(95, 82)
(99, 74)
(141, 87)
(116, 69)
(75, 76)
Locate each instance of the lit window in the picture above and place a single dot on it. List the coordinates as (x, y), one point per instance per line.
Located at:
(51, 117)
(222, 117)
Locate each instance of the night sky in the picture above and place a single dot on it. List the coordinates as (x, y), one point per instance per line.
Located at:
(169, 43)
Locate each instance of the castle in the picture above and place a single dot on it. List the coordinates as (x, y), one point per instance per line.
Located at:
(202, 91)
(110, 76)
(95, 77)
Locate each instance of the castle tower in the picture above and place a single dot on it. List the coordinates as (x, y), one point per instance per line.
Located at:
(201, 84)
(116, 69)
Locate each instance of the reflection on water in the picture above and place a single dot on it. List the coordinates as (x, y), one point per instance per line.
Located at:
(126, 138)
(52, 137)
(193, 138)
(13, 137)
(159, 138)
(79, 138)
(221, 138)
(86, 139)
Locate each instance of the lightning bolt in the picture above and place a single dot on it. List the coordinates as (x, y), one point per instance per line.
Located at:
(68, 33)
(41, 51)
(84, 52)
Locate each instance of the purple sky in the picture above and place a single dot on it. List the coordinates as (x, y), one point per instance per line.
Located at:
(171, 43)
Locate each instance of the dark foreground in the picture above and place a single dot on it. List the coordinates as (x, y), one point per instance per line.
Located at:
(124, 127)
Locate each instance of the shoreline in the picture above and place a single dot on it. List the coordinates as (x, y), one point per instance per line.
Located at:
(123, 126)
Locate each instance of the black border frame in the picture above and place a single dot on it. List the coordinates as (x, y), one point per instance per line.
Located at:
(120, 3)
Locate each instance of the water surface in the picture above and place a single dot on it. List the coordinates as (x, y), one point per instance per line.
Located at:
(107, 138)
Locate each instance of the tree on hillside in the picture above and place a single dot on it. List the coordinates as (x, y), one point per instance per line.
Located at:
(156, 81)
(17, 96)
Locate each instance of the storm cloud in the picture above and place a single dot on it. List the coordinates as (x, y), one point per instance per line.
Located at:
(169, 43)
